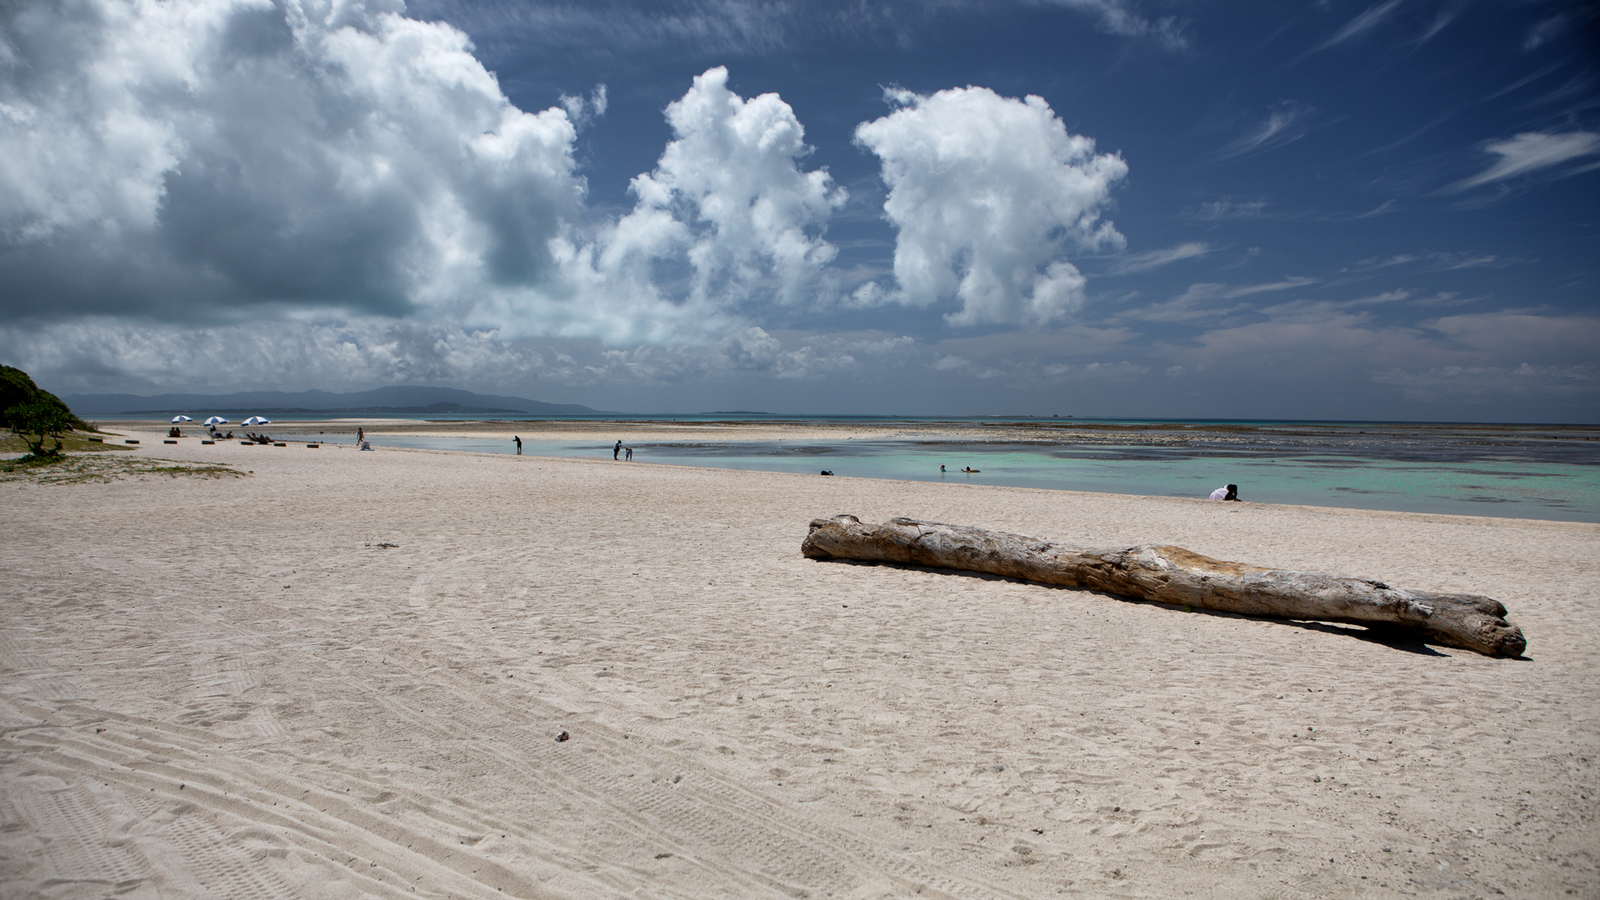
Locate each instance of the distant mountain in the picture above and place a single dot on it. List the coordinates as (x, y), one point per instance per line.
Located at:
(396, 400)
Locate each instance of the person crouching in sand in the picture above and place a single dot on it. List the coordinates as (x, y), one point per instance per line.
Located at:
(1227, 492)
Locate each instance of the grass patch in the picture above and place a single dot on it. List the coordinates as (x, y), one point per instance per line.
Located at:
(104, 469)
(71, 442)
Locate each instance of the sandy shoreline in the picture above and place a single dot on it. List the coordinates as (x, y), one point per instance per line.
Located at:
(653, 430)
(1051, 431)
(223, 686)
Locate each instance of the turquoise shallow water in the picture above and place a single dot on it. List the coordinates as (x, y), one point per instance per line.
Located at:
(1529, 482)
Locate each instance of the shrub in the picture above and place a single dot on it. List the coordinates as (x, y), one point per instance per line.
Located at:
(39, 418)
(17, 389)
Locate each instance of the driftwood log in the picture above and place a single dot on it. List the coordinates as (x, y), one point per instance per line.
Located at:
(1173, 575)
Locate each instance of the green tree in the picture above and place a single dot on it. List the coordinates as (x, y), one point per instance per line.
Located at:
(17, 389)
(39, 418)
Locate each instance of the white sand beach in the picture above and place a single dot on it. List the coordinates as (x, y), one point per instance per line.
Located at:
(345, 674)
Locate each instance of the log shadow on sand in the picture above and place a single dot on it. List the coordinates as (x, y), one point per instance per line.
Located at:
(1393, 638)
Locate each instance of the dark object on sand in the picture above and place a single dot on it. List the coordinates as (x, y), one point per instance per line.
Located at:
(1173, 575)
(827, 471)
(563, 736)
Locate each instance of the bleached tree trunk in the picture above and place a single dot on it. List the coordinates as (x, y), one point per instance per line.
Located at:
(1173, 575)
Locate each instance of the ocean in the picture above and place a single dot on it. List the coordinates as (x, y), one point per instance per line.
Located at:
(1516, 471)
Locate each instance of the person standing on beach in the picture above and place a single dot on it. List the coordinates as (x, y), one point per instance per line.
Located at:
(1227, 492)
(361, 435)
(518, 439)
(627, 454)
(616, 450)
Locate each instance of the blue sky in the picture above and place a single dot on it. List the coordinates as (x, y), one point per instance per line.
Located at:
(1336, 210)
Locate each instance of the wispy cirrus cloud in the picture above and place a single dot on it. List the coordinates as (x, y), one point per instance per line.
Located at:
(1577, 92)
(1409, 298)
(1155, 259)
(1553, 27)
(1213, 210)
(1204, 291)
(1534, 151)
(1119, 18)
(741, 28)
(1285, 123)
(1522, 82)
(620, 27)
(1439, 23)
(1360, 25)
(1434, 261)
(1209, 300)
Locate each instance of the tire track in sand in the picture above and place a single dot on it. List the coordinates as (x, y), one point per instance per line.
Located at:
(743, 844)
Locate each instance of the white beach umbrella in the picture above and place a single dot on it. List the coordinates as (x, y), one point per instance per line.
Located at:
(177, 419)
(257, 420)
(215, 420)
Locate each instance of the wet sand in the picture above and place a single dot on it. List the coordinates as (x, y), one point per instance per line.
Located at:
(345, 676)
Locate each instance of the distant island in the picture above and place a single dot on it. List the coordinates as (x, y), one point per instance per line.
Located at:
(385, 401)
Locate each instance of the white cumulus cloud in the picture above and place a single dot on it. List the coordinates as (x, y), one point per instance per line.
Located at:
(199, 159)
(729, 192)
(725, 224)
(330, 192)
(217, 161)
(988, 194)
